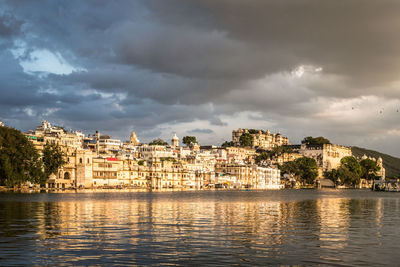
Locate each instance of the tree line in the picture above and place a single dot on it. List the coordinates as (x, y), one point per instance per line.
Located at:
(351, 171)
(20, 162)
(187, 140)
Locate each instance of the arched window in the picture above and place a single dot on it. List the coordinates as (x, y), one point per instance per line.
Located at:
(80, 160)
(67, 176)
(88, 161)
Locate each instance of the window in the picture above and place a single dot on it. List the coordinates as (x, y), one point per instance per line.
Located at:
(80, 160)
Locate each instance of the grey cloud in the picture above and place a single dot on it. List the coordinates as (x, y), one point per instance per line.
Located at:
(9, 26)
(146, 64)
(202, 131)
(355, 39)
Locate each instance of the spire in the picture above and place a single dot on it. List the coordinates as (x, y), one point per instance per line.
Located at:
(175, 140)
(133, 139)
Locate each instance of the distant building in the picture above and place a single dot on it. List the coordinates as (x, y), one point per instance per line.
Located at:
(106, 144)
(46, 128)
(327, 156)
(261, 139)
(1, 123)
(251, 176)
(284, 157)
(240, 154)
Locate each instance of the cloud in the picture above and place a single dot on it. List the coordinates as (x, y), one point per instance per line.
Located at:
(204, 131)
(299, 66)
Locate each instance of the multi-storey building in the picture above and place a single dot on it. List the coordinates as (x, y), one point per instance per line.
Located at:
(105, 171)
(282, 158)
(108, 145)
(156, 151)
(77, 172)
(327, 156)
(240, 154)
(251, 176)
(261, 139)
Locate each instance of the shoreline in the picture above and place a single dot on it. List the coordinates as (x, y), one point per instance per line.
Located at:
(134, 190)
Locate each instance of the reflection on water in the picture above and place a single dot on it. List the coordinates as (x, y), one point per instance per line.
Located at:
(197, 228)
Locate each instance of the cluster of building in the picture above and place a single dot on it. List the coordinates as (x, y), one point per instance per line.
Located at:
(99, 161)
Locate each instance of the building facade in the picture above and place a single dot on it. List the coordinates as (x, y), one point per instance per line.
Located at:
(261, 139)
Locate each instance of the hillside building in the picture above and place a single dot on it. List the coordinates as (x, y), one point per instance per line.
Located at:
(327, 156)
(261, 139)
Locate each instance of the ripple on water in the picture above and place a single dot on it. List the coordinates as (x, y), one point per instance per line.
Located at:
(250, 228)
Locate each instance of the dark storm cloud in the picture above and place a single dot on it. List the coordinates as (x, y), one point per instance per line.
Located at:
(9, 26)
(147, 64)
(351, 38)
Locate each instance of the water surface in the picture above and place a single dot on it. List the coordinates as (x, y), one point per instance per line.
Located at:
(246, 228)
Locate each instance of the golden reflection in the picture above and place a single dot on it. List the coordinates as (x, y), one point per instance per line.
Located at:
(161, 225)
(334, 220)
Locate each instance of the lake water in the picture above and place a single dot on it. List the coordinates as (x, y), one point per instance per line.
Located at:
(246, 228)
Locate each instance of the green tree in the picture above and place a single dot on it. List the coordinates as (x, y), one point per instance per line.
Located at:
(274, 152)
(19, 160)
(307, 170)
(289, 168)
(158, 142)
(332, 175)
(187, 140)
(253, 131)
(246, 139)
(352, 164)
(369, 168)
(315, 140)
(304, 169)
(263, 156)
(347, 177)
(53, 159)
(348, 173)
(228, 144)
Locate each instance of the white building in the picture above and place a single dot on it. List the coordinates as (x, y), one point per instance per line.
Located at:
(268, 178)
(107, 144)
(148, 152)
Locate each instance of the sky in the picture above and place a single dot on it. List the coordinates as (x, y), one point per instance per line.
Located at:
(204, 68)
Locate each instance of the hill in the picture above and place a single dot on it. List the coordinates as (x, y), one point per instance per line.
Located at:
(391, 164)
